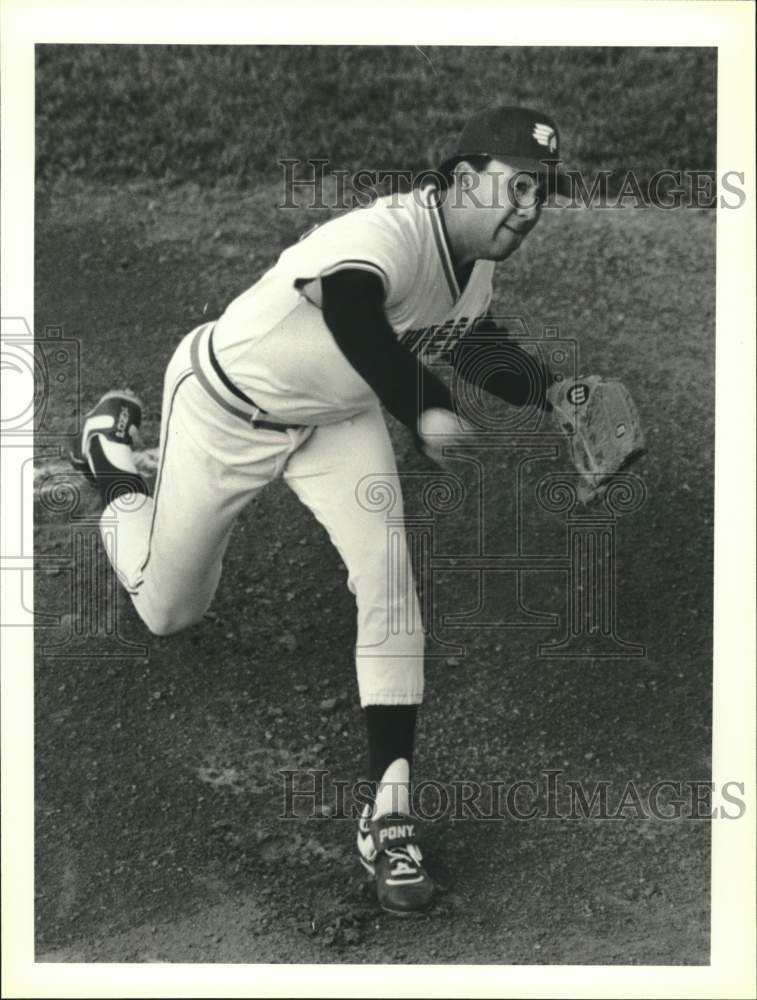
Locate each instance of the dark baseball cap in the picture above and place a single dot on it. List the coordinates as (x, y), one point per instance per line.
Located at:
(521, 137)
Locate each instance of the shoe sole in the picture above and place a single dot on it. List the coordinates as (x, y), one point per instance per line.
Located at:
(78, 463)
(419, 911)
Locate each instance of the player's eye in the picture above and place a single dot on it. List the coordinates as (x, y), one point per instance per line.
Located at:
(526, 192)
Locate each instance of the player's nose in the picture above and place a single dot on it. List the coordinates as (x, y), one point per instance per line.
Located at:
(529, 211)
(525, 217)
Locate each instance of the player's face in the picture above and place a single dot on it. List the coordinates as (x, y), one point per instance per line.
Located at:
(501, 209)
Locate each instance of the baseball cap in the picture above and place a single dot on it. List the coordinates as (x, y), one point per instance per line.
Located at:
(521, 137)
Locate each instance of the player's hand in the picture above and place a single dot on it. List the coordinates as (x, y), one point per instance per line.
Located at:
(438, 427)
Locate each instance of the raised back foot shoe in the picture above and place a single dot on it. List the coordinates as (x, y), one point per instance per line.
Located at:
(117, 416)
(388, 849)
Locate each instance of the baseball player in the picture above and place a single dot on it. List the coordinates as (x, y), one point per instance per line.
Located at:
(289, 383)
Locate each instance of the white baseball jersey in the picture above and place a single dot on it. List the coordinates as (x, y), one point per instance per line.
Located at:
(271, 349)
(273, 343)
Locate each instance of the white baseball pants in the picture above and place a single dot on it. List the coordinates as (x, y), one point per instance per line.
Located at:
(169, 548)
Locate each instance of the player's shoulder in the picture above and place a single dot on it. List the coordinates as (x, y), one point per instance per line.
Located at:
(412, 205)
(398, 205)
(388, 218)
(403, 214)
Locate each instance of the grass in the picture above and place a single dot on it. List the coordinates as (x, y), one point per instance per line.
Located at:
(214, 114)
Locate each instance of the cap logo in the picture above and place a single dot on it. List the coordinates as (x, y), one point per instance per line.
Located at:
(545, 136)
(578, 393)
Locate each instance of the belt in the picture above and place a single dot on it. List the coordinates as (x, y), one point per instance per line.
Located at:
(219, 386)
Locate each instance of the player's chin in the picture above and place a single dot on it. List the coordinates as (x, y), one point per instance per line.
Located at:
(507, 243)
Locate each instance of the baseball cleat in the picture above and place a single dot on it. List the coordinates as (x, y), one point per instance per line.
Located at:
(117, 417)
(388, 849)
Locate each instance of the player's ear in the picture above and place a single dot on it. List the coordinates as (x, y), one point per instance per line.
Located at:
(466, 175)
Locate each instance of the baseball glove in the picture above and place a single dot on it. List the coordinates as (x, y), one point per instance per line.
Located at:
(602, 423)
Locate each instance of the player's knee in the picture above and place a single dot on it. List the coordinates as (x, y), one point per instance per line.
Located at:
(162, 624)
(169, 621)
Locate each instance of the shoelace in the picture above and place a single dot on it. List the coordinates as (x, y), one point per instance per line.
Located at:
(405, 860)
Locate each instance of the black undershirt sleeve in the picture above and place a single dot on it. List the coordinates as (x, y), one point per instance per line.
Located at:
(504, 369)
(353, 309)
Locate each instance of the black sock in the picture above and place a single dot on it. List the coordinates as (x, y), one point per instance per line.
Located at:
(391, 731)
(110, 481)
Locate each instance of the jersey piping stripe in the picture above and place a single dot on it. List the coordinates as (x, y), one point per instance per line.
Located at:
(194, 354)
(218, 391)
(179, 382)
(224, 377)
(441, 245)
(362, 265)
